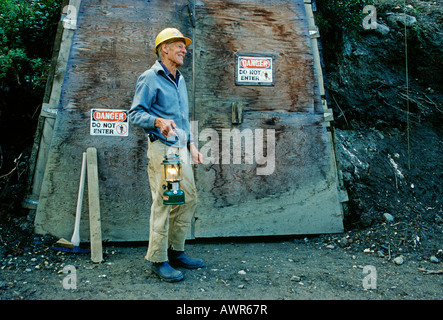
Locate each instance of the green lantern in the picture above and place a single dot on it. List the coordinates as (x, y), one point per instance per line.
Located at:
(172, 169)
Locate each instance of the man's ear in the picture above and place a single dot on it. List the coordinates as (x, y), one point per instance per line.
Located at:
(165, 47)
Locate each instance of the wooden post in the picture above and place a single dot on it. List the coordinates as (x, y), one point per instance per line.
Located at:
(94, 206)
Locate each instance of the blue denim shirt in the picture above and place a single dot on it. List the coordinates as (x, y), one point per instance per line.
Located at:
(157, 95)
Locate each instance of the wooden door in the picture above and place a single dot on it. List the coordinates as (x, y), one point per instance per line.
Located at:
(280, 181)
(281, 178)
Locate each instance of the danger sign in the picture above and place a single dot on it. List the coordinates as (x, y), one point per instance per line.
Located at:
(254, 69)
(107, 122)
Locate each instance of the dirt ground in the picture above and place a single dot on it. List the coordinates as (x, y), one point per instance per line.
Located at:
(314, 268)
(391, 167)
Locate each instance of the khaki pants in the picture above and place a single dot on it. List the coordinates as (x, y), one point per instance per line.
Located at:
(168, 224)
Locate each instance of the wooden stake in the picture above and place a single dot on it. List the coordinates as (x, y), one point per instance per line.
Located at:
(94, 206)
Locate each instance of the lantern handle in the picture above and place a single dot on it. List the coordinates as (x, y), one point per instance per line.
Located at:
(165, 145)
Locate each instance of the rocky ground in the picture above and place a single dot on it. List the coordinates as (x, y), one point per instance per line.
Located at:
(391, 166)
(353, 265)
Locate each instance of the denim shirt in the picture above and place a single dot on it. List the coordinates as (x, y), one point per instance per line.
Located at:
(157, 95)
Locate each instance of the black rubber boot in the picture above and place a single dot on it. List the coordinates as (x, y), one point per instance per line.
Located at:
(180, 259)
(166, 272)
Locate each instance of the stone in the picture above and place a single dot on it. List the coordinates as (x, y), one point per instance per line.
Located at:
(403, 19)
(388, 217)
(399, 260)
(344, 242)
(382, 29)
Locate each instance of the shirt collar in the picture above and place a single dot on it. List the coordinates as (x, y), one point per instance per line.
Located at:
(170, 75)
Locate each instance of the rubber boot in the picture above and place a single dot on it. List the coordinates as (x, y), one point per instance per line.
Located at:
(166, 272)
(180, 259)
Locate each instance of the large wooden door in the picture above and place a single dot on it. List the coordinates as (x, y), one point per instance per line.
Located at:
(284, 181)
(280, 180)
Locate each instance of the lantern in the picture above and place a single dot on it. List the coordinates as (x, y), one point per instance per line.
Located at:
(172, 169)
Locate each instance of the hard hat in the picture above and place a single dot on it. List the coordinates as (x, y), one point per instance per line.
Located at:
(169, 34)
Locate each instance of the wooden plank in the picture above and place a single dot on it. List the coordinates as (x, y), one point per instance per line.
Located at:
(317, 64)
(41, 120)
(62, 49)
(94, 206)
(33, 160)
(42, 154)
(55, 53)
(329, 117)
(60, 69)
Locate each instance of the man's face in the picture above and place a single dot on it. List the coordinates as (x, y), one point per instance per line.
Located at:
(175, 52)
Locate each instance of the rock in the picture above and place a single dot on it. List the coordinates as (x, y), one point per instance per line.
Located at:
(344, 242)
(399, 260)
(388, 217)
(242, 272)
(403, 19)
(382, 29)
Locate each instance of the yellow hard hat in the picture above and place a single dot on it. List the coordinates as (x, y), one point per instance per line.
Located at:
(169, 34)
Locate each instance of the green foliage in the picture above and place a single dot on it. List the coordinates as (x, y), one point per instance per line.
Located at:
(338, 18)
(27, 30)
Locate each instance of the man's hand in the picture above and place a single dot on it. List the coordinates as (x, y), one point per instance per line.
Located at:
(196, 156)
(166, 127)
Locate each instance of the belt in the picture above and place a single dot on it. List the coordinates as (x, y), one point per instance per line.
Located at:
(152, 138)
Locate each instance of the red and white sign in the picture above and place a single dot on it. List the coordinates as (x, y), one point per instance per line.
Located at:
(108, 122)
(254, 70)
(255, 63)
(109, 115)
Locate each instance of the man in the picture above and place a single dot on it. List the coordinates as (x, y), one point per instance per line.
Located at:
(160, 107)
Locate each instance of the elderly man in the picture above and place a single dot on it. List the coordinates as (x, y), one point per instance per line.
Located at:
(160, 107)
